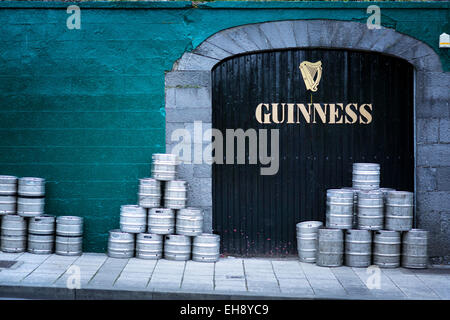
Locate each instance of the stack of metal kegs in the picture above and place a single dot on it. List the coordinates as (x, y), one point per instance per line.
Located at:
(365, 225)
(161, 225)
(22, 202)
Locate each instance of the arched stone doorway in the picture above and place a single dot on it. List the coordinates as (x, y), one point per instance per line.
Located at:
(188, 91)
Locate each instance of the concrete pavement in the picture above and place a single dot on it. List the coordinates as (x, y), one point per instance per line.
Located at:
(101, 277)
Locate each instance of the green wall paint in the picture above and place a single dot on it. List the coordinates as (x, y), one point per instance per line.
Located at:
(85, 108)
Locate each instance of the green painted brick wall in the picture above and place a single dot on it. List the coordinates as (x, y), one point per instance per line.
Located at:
(85, 108)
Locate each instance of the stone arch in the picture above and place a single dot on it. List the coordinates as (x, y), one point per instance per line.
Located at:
(297, 34)
(188, 90)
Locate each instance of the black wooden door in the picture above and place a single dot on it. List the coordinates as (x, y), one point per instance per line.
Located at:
(256, 214)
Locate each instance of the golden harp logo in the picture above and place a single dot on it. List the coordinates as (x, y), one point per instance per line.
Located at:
(309, 71)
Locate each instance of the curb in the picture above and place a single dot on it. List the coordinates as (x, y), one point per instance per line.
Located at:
(58, 293)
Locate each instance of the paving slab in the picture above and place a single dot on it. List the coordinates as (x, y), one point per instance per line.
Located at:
(10, 256)
(381, 287)
(296, 286)
(33, 258)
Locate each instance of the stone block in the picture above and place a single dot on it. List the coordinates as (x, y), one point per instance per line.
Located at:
(202, 170)
(224, 41)
(432, 201)
(200, 192)
(286, 33)
(192, 61)
(434, 155)
(403, 44)
(188, 115)
(273, 35)
(170, 97)
(193, 97)
(426, 179)
(210, 50)
(427, 108)
(444, 130)
(185, 172)
(300, 28)
(175, 79)
(430, 63)
(251, 38)
(371, 38)
(389, 39)
(349, 34)
(427, 130)
(443, 178)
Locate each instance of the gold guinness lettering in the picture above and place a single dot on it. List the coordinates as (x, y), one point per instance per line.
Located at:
(327, 113)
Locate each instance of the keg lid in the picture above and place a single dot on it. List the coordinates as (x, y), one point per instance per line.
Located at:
(73, 219)
(13, 217)
(10, 179)
(161, 210)
(149, 236)
(366, 165)
(387, 232)
(398, 193)
(132, 208)
(166, 158)
(309, 224)
(152, 180)
(191, 211)
(324, 229)
(177, 236)
(43, 217)
(176, 183)
(418, 231)
(340, 191)
(370, 193)
(362, 231)
(31, 180)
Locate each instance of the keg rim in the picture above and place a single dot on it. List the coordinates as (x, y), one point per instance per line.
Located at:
(372, 191)
(130, 206)
(177, 236)
(195, 211)
(184, 182)
(8, 177)
(341, 191)
(34, 179)
(368, 164)
(416, 230)
(44, 216)
(165, 154)
(315, 224)
(142, 234)
(400, 193)
(358, 231)
(386, 231)
(117, 231)
(69, 218)
(170, 210)
(15, 217)
(324, 228)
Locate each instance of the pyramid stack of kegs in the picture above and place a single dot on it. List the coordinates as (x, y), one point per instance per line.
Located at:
(161, 225)
(365, 225)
